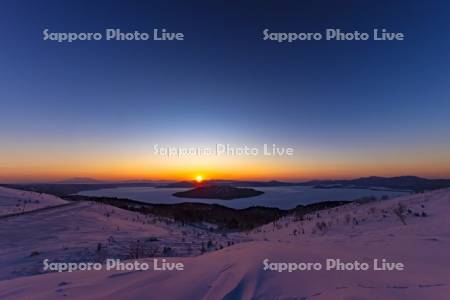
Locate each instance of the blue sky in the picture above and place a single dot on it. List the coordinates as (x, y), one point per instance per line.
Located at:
(223, 83)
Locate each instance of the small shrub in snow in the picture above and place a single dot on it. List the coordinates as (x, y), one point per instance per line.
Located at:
(321, 226)
(138, 250)
(399, 211)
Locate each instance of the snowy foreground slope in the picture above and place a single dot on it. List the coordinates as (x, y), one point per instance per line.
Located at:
(14, 201)
(89, 231)
(413, 230)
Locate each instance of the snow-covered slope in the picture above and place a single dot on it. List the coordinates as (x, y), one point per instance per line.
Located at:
(15, 201)
(374, 230)
(417, 215)
(89, 231)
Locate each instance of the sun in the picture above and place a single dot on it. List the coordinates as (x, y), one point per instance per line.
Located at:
(199, 178)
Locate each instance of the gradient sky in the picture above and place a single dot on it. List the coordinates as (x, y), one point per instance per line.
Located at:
(347, 108)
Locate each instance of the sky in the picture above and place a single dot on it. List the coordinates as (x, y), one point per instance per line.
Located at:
(347, 108)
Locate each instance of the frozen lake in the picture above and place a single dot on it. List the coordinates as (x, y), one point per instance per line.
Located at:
(284, 197)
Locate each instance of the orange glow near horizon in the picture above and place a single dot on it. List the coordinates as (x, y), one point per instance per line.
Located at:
(243, 171)
(133, 164)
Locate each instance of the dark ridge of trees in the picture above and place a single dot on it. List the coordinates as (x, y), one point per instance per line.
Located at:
(224, 217)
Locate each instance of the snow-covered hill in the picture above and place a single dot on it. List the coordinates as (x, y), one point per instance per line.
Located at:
(15, 201)
(412, 215)
(89, 231)
(412, 230)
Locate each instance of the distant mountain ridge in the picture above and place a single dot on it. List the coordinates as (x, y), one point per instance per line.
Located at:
(234, 183)
(399, 183)
(88, 180)
(80, 180)
(412, 183)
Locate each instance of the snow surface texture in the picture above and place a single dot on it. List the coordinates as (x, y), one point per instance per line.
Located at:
(91, 232)
(15, 202)
(412, 229)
